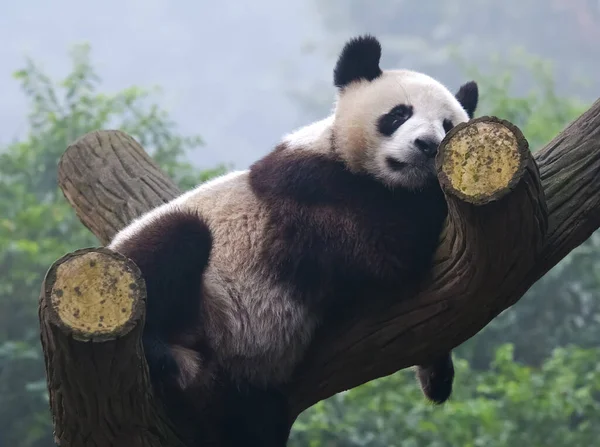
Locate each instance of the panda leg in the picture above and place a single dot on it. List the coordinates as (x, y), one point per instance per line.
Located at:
(172, 251)
(436, 378)
(255, 417)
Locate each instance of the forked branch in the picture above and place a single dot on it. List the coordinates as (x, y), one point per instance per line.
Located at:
(512, 217)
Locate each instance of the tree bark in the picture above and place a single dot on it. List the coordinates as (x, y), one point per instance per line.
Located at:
(92, 308)
(512, 217)
(109, 180)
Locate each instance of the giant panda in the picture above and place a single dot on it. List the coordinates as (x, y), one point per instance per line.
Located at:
(242, 270)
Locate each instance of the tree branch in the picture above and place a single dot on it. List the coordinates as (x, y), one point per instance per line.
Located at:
(504, 231)
(109, 180)
(495, 231)
(92, 308)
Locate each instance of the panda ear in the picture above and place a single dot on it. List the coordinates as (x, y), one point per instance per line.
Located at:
(468, 96)
(359, 59)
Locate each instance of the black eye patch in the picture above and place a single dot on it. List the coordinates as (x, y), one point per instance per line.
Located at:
(390, 122)
(448, 125)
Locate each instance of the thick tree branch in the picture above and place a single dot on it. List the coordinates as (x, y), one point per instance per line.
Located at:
(109, 180)
(495, 231)
(504, 231)
(92, 308)
(570, 172)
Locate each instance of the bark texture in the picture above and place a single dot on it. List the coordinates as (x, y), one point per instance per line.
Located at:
(109, 180)
(92, 308)
(512, 217)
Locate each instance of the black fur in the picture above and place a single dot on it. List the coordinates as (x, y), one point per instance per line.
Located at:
(448, 125)
(344, 235)
(388, 123)
(172, 253)
(255, 417)
(436, 379)
(359, 59)
(347, 231)
(468, 96)
(336, 236)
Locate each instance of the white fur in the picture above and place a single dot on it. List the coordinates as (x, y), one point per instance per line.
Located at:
(139, 223)
(313, 136)
(360, 105)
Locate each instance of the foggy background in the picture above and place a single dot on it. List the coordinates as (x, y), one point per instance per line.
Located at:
(231, 71)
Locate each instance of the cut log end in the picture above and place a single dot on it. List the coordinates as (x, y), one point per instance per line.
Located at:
(95, 294)
(481, 160)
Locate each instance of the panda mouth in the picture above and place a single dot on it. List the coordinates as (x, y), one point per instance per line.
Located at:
(394, 164)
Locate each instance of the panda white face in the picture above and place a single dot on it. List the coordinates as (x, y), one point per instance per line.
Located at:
(390, 123)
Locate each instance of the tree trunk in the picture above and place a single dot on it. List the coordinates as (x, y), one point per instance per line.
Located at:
(512, 217)
(92, 308)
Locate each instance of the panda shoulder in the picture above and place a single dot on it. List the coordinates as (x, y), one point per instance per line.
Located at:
(299, 174)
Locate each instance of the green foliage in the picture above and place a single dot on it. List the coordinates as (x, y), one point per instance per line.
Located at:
(541, 113)
(509, 404)
(37, 226)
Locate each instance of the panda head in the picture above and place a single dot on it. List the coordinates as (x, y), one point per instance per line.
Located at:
(389, 123)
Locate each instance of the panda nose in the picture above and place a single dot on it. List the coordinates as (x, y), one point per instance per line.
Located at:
(427, 145)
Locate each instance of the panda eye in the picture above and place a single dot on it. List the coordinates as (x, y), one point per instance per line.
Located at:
(391, 121)
(402, 112)
(448, 125)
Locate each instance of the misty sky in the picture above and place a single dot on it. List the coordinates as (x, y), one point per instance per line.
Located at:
(222, 65)
(227, 68)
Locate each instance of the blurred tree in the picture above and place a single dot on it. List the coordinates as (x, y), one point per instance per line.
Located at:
(37, 226)
(539, 111)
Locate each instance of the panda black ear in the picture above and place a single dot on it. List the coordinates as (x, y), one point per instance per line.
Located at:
(359, 59)
(468, 96)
